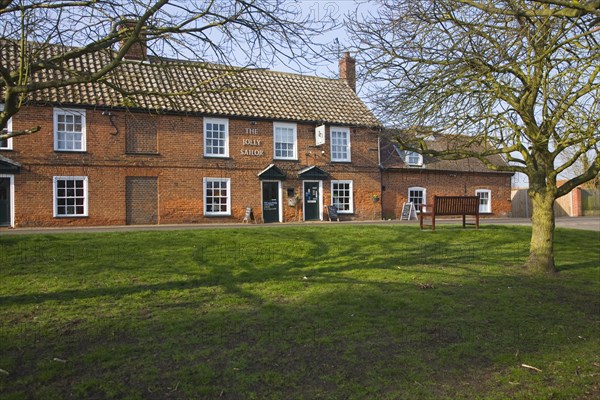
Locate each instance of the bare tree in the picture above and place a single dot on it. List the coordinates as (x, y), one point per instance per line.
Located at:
(518, 78)
(49, 37)
(583, 163)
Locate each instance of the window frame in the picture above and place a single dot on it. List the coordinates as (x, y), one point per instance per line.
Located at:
(70, 111)
(211, 120)
(351, 199)
(489, 200)
(9, 141)
(339, 129)
(286, 125)
(55, 180)
(418, 206)
(408, 155)
(225, 213)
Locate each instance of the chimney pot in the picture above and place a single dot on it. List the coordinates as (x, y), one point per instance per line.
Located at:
(348, 70)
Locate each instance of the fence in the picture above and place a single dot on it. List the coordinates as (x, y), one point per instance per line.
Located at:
(590, 201)
(577, 203)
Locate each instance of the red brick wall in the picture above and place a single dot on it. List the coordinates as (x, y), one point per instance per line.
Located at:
(180, 167)
(443, 183)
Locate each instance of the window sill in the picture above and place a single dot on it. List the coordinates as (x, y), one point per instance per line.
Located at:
(295, 160)
(217, 215)
(5, 149)
(71, 216)
(216, 157)
(141, 154)
(70, 151)
(341, 161)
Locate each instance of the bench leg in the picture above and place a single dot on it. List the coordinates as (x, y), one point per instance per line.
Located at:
(464, 221)
(433, 223)
(477, 221)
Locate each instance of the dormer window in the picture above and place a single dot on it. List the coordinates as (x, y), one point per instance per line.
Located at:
(413, 159)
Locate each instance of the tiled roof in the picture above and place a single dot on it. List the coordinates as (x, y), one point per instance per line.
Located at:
(392, 157)
(202, 88)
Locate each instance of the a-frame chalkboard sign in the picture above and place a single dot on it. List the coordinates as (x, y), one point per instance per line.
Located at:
(249, 217)
(408, 211)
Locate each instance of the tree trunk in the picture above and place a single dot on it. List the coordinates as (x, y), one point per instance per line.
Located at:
(541, 249)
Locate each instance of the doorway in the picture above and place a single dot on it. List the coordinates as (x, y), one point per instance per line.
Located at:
(312, 201)
(6, 205)
(270, 202)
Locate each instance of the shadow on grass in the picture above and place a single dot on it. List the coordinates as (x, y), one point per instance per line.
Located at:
(339, 338)
(388, 314)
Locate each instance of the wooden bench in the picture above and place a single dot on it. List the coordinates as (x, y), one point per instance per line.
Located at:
(451, 205)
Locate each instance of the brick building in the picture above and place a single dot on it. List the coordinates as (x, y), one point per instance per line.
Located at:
(284, 145)
(410, 177)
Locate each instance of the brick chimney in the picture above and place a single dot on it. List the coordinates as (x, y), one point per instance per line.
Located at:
(348, 70)
(138, 50)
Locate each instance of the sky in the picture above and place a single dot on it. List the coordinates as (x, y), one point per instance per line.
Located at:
(339, 38)
(318, 10)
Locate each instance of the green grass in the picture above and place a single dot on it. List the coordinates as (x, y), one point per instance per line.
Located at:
(340, 312)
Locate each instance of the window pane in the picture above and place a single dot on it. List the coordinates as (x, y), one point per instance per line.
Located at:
(339, 146)
(341, 194)
(69, 131)
(216, 197)
(70, 197)
(284, 142)
(417, 197)
(215, 138)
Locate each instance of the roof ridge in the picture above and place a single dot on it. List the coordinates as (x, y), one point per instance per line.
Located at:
(202, 87)
(174, 61)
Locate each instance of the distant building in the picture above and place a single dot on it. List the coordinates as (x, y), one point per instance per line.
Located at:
(411, 177)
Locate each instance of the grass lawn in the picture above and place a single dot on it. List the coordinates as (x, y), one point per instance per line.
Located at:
(331, 312)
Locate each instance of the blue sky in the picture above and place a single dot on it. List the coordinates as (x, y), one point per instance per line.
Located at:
(319, 10)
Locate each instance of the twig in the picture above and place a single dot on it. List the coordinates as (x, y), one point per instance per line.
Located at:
(530, 367)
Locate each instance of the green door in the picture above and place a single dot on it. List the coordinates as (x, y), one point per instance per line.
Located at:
(4, 201)
(311, 201)
(270, 195)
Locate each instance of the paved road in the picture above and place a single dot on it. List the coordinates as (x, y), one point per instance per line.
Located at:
(586, 223)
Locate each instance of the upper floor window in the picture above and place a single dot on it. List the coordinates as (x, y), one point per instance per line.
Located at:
(413, 159)
(69, 129)
(6, 144)
(216, 137)
(485, 200)
(340, 144)
(284, 141)
(70, 196)
(417, 196)
(341, 196)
